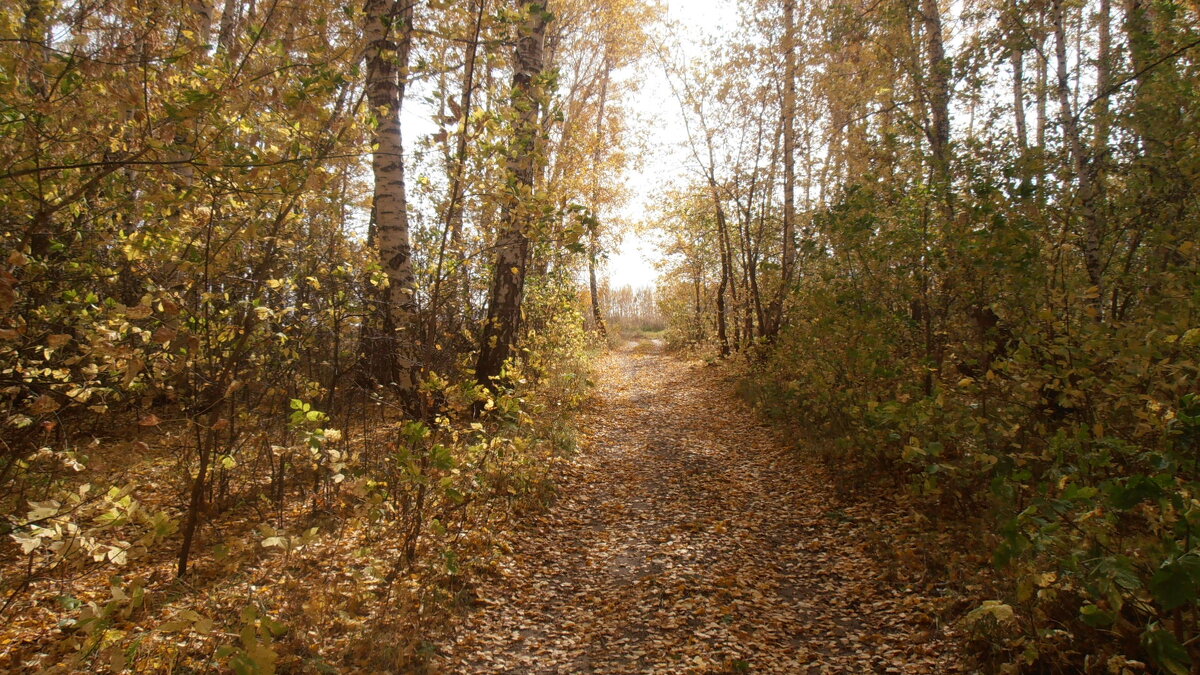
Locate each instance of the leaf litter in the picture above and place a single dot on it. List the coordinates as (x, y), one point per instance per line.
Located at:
(689, 537)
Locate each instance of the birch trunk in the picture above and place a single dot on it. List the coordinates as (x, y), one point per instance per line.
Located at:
(1018, 91)
(388, 29)
(512, 244)
(227, 35)
(1042, 79)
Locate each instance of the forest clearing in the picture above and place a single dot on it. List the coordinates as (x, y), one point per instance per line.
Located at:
(600, 336)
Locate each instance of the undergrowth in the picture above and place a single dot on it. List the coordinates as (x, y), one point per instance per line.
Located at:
(1066, 473)
(363, 535)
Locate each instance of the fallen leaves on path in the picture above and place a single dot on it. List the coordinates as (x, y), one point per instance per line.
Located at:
(689, 539)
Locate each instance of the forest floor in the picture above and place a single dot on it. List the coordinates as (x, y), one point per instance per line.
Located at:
(689, 537)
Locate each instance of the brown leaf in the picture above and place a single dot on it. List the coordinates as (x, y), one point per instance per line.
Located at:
(44, 405)
(139, 312)
(164, 334)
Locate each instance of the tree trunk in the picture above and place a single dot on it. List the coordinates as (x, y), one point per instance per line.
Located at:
(388, 30)
(454, 207)
(789, 169)
(1083, 165)
(202, 12)
(722, 319)
(454, 211)
(1103, 80)
(205, 445)
(597, 314)
(227, 35)
(938, 94)
(1042, 79)
(512, 245)
(729, 272)
(936, 298)
(593, 236)
(1018, 91)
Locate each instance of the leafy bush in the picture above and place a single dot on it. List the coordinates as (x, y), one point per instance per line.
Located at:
(1077, 438)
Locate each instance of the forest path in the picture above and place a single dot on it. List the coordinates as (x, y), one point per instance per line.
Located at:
(689, 539)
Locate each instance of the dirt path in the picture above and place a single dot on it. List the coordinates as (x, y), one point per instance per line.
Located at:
(689, 540)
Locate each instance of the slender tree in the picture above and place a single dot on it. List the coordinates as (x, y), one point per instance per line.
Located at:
(788, 123)
(593, 234)
(387, 29)
(518, 212)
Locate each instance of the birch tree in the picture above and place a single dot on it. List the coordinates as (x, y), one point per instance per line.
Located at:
(388, 32)
(519, 209)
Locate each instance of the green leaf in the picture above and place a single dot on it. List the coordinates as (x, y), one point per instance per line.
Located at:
(273, 627)
(1119, 570)
(1135, 490)
(1175, 583)
(1166, 650)
(415, 432)
(441, 458)
(1096, 617)
(1081, 493)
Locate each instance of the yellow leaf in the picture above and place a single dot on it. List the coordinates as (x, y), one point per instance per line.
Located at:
(995, 609)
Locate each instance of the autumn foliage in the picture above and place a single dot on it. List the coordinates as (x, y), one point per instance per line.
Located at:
(293, 321)
(238, 329)
(994, 303)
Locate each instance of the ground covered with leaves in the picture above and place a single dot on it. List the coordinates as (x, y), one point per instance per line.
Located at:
(689, 537)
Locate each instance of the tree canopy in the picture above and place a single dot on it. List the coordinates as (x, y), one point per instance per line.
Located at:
(302, 299)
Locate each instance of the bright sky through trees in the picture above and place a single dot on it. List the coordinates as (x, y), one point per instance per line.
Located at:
(666, 159)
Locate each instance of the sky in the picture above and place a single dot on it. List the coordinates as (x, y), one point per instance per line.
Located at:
(667, 160)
